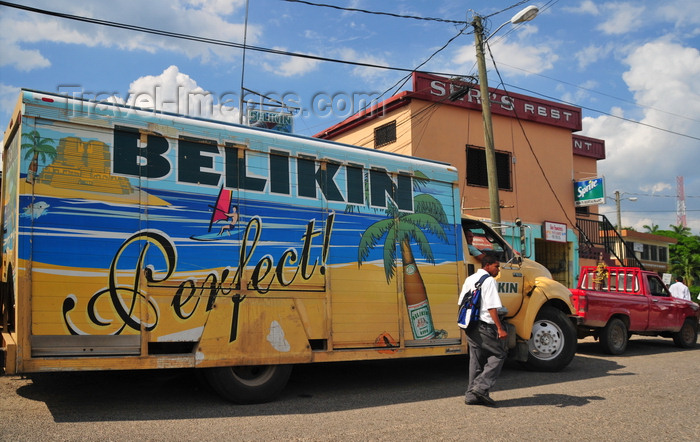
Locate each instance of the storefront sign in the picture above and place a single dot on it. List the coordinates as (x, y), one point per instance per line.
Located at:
(439, 89)
(588, 147)
(589, 192)
(554, 231)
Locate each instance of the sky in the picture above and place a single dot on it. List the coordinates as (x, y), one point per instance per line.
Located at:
(632, 66)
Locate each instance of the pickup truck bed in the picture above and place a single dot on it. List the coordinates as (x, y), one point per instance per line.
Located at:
(616, 302)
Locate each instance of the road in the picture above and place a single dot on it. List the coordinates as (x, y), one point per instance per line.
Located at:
(652, 392)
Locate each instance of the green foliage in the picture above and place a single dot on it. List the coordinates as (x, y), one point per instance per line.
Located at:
(654, 228)
(695, 293)
(684, 256)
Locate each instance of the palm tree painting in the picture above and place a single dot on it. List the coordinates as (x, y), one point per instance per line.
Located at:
(38, 148)
(406, 228)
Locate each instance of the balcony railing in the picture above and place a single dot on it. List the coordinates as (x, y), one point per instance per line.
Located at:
(598, 237)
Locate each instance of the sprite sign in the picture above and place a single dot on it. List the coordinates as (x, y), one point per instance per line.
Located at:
(589, 192)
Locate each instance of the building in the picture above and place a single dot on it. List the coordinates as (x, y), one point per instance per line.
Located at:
(537, 153)
(651, 250)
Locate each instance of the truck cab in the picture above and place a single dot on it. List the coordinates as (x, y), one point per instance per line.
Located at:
(538, 308)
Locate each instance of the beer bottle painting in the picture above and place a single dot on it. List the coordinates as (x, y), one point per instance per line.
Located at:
(404, 228)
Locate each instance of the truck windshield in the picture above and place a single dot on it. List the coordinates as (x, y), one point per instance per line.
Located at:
(486, 240)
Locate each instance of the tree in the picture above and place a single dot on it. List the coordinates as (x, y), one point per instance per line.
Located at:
(684, 256)
(38, 148)
(654, 228)
(681, 229)
(688, 266)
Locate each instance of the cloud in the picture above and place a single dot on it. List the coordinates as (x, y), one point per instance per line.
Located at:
(22, 59)
(585, 7)
(22, 33)
(528, 59)
(285, 66)
(665, 80)
(678, 11)
(593, 53)
(621, 18)
(174, 91)
(365, 73)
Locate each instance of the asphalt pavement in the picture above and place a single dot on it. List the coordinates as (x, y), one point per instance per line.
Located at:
(652, 392)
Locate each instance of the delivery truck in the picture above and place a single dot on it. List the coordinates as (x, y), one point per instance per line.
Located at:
(137, 239)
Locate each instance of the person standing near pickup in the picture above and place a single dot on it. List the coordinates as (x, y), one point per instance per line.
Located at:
(680, 290)
(486, 338)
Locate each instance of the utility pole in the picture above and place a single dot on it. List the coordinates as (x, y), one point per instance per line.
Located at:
(490, 151)
(524, 15)
(619, 217)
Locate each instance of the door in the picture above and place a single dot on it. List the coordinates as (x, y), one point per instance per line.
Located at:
(663, 313)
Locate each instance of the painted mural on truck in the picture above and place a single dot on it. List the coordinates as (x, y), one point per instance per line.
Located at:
(153, 225)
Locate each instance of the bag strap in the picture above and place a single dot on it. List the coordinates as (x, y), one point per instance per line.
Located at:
(481, 281)
(477, 286)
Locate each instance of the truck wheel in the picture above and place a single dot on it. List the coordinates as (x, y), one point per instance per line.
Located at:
(249, 384)
(687, 336)
(553, 342)
(613, 337)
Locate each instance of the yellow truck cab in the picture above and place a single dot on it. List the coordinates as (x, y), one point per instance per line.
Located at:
(538, 308)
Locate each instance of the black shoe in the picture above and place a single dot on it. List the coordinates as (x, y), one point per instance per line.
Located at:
(484, 398)
(472, 401)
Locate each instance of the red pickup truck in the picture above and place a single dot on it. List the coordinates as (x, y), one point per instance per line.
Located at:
(616, 302)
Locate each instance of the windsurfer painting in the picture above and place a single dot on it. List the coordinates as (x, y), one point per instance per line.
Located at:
(223, 210)
(232, 218)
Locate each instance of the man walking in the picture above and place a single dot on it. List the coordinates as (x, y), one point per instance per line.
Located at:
(680, 290)
(486, 337)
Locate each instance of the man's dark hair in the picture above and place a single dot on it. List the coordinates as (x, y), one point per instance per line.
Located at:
(678, 278)
(489, 258)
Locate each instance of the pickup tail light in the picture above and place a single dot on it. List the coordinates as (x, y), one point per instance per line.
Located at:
(580, 301)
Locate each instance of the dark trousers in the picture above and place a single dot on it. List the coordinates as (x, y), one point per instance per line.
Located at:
(487, 354)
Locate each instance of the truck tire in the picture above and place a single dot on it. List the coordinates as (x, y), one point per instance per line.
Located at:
(688, 334)
(249, 384)
(553, 342)
(614, 337)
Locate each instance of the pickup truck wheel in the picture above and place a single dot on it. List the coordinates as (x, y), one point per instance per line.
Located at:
(553, 342)
(613, 337)
(688, 334)
(250, 384)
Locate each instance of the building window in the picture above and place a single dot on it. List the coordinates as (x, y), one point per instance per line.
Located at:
(385, 134)
(476, 168)
(655, 253)
(583, 211)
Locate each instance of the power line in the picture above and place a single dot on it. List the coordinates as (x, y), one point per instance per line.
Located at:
(297, 54)
(603, 112)
(204, 39)
(389, 14)
(532, 150)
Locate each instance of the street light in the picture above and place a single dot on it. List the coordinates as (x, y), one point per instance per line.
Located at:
(526, 14)
(617, 205)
